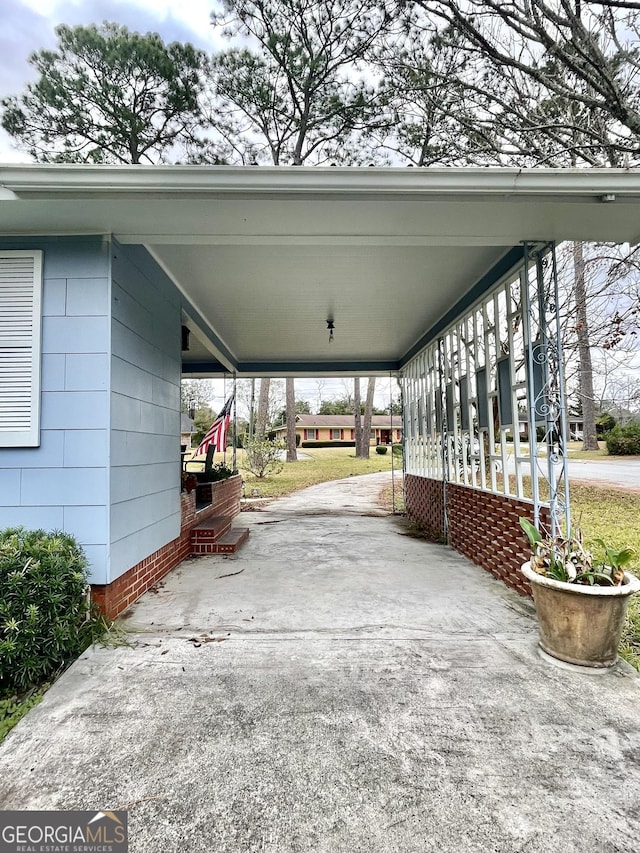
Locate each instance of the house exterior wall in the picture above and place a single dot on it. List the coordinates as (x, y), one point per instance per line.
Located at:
(108, 466)
(145, 409)
(346, 434)
(64, 483)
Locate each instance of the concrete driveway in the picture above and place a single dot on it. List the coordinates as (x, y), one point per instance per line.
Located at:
(336, 686)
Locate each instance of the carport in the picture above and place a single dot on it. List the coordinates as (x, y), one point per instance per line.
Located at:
(443, 277)
(338, 685)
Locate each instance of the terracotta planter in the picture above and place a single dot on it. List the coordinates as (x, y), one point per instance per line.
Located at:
(580, 624)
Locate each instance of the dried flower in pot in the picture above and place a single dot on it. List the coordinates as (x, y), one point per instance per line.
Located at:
(581, 600)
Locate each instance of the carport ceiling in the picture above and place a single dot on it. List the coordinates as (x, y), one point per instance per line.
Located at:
(264, 256)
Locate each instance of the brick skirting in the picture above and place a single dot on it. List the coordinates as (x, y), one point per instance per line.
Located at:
(114, 598)
(423, 501)
(481, 525)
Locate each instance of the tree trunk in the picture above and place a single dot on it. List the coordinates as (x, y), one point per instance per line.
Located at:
(357, 416)
(366, 424)
(292, 456)
(587, 398)
(252, 407)
(263, 409)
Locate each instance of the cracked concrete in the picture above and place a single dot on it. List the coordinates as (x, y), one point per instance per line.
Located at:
(336, 686)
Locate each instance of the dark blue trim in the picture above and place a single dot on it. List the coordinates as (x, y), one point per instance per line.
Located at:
(204, 367)
(34, 242)
(300, 368)
(506, 263)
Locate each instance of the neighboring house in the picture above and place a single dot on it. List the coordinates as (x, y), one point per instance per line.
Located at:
(186, 431)
(576, 427)
(341, 429)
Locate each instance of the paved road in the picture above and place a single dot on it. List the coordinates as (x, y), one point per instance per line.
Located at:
(621, 472)
(336, 687)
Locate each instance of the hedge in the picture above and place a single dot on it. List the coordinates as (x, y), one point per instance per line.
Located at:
(328, 444)
(45, 613)
(624, 440)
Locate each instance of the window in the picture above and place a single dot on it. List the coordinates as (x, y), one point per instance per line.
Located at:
(312, 434)
(20, 345)
(335, 435)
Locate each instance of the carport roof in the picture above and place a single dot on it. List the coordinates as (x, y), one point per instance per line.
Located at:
(264, 256)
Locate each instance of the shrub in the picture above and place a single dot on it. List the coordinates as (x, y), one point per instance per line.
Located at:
(263, 457)
(397, 449)
(298, 439)
(220, 472)
(605, 423)
(44, 607)
(624, 440)
(217, 472)
(381, 449)
(328, 444)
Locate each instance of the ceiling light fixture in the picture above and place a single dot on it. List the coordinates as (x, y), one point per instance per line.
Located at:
(330, 329)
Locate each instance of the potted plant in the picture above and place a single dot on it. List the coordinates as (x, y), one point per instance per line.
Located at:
(581, 599)
(188, 482)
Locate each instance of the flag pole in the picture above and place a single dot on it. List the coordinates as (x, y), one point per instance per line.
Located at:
(235, 424)
(224, 390)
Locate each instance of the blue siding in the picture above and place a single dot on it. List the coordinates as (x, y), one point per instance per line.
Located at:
(144, 409)
(33, 517)
(63, 483)
(107, 469)
(86, 447)
(53, 371)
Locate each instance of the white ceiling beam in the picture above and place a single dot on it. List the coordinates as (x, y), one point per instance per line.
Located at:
(309, 240)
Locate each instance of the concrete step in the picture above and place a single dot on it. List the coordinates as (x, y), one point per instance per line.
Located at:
(227, 544)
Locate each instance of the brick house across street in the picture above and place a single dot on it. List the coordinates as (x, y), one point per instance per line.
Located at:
(341, 429)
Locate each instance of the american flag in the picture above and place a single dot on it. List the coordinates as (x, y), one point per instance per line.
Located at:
(217, 432)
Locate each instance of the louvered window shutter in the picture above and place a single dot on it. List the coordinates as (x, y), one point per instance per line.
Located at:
(20, 345)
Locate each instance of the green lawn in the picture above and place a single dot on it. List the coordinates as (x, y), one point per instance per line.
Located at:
(326, 463)
(613, 515)
(576, 451)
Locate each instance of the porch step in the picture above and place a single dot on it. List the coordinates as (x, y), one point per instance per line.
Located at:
(210, 529)
(231, 541)
(215, 535)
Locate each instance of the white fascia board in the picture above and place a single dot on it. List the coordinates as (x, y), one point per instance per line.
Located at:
(52, 180)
